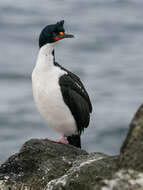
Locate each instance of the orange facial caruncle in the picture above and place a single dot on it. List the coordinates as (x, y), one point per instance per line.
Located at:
(61, 33)
(59, 38)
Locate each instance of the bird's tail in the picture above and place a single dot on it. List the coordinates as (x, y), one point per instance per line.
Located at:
(74, 140)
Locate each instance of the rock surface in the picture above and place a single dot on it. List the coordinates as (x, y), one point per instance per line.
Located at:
(124, 180)
(132, 149)
(43, 164)
(46, 165)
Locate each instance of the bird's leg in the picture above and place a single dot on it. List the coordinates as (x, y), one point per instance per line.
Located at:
(61, 140)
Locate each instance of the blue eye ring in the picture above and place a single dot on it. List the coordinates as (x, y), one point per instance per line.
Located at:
(54, 34)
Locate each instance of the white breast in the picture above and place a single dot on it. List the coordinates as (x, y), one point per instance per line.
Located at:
(48, 97)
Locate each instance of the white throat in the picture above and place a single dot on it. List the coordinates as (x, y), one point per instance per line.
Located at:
(46, 58)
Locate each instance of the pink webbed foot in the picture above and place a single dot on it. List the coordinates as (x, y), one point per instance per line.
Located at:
(62, 140)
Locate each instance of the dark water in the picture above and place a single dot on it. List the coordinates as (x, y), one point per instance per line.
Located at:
(107, 53)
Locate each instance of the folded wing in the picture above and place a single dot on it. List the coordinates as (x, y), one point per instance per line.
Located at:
(77, 99)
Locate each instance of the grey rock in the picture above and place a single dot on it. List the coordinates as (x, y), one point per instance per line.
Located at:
(131, 155)
(38, 162)
(46, 165)
(124, 180)
(42, 164)
(85, 173)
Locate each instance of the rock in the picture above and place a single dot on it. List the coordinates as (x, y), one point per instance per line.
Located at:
(131, 155)
(85, 173)
(124, 180)
(46, 165)
(42, 164)
(38, 162)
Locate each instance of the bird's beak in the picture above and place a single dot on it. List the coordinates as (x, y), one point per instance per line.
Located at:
(62, 35)
(67, 36)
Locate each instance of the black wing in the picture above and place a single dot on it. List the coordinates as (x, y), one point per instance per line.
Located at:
(76, 98)
(77, 79)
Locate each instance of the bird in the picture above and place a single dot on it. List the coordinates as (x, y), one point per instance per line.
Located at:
(59, 94)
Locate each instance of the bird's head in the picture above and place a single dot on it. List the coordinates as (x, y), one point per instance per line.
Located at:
(53, 33)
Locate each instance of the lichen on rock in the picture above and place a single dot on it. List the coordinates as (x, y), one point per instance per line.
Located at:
(126, 180)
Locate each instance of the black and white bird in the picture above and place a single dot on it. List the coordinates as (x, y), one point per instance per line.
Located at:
(58, 93)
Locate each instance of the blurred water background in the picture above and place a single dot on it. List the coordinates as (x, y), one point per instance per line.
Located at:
(107, 54)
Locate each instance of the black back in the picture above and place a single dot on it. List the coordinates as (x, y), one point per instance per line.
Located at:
(76, 98)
